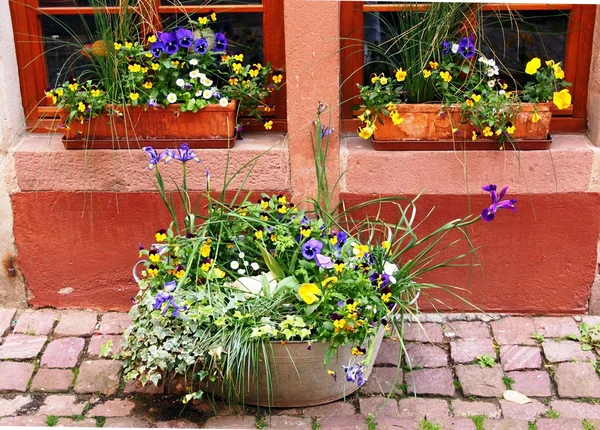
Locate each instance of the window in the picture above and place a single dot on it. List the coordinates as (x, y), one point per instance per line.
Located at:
(49, 33)
(563, 32)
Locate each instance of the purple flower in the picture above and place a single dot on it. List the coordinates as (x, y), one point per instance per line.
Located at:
(201, 46)
(184, 154)
(152, 103)
(378, 280)
(220, 42)
(155, 157)
(326, 131)
(446, 47)
(311, 248)
(497, 203)
(341, 238)
(355, 374)
(321, 107)
(324, 262)
(169, 41)
(466, 47)
(185, 37)
(166, 297)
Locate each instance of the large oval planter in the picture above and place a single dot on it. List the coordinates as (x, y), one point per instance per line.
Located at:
(299, 378)
(430, 126)
(123, 127)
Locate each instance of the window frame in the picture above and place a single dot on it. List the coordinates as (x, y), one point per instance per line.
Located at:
(29, 45)
(578, 57)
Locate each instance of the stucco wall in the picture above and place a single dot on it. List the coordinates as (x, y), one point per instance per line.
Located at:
(593, 105)
(12, 291)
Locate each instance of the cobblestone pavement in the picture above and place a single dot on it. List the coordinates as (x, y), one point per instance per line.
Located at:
(51, 375)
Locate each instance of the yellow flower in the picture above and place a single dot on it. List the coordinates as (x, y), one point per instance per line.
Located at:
(511, 129)
(305, 232)
(356, 351)
(233, 81)
(175, 63)
(148, 55)
(446, 76)
(246, 83)
(308, 293)
(144, 70)
(339, 324)
(562, 99)
(134, 68)
(273, 238)
(338, 267)
(333, 240)
(147, 85)
(73, 87)
(160, 236)
(374, 79)
(205, 250)
(550, 63)
(54, 100)
(60, 92)
(366, 132)
(558, 72)
(81, 107)
(225, 58)
(237, 68)
(282, 199)
(258, 234)
(238, 57)
(218, 273)
(257, 65)
(268, 125)
(400, 75)
(352, 306)
(433, 65)
(474, 137)
(330, 280)
(128, 45)
(508, 94)
(213, 17)
(487, 132)
(153, 272)
(535, 117)
(95, 93)
(391, 107)
(155, 258)
(532, 66)
(281, 208)
(396, 119)
(179, 274)
(383, 80)
(469, 102)
(253, 73)
(206, 266)
(203, 20)
(476, 97)
(360, 250)
(134, 96)
(117, 46)
(277, 78)
(426, 73)
(155, 66)
(386, 245)
(386, 297)
(152, 39)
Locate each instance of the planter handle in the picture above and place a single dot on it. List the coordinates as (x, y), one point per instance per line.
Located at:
(135, 276)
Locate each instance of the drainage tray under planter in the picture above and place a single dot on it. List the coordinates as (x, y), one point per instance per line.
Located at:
(460, 145)
(139, 143)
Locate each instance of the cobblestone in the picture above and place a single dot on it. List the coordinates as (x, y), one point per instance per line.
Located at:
(6, 318)
(463, 408)
(63, 353)
(98, 376)
(423, 355)
(76, 323)
(97, 342)
(431, 381)
(379, 404)
(513, 331)
(38, 323)
(555, 327)
(520, 357)
(577, 380)
(528, 411)
(11, 406)
(52, 380)
(566, 350)
(114, 323)
(21, 346)
(467, 350)
(381, 381)
(534, 383)
(15, 376)
(420, 408)
(425, 332)
(481, 382)
(61, 405)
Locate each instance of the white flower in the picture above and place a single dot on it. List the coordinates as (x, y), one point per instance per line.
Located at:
(194, 62)
(206, 82)
(194, 73)
(180, 82)
(501, 92)
(482, 60)
(234, 265)
(207, 94)
(255, 266)
(223, 102)
(254, 284)
(454, 48)
(494, 70)
(241, 255)
(202, 76)
(393, 279)
(389, 268)
(491, 83)
(172, 98)
(241, 271)
(246, 263)
(491, 63)
(199, 93)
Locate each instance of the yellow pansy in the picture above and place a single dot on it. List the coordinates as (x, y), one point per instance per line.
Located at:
(237, 68)
(257, 65)
(225, 58)
(282, 199)
(330, 280)
(134, 68)
(175, 63)
(390, 106)
(160, 235)
(213, 16)
(469, 102)
(128, 45)
(155, 258)
(60, 92)
(535, 117)
(147, 85)
(134, 96)
(374, 79)
(73, 87)
(258, 234)
(400, 74)
(562, 99)
(559, 73)
(474, 136)
(434, 65)
(386, 245)
(81, 107)
(426, 73)
(277, 78)
(253, 73)
(203, 20)
(338, 267)
(155, 66)
(356, 351)
(396, 118)
(233, 81)
(476, 97)
(508, 94)
(179, 274)
(205, 250)
(532, 66)
(383, 80)
(366, 132)
(153, 272)
(238, 57)
(152, 39)
(339, 324)
(487, 132)
(386, 297)
(446, 76)
(144, 70)
(308, 293)
(360, 250)
(550, 63)
(95, 93)
(117, 46)
(511, 129)
(268, 125)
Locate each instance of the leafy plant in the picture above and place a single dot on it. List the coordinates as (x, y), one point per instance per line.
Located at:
(539, 338)
(486, 360)
(587, 425)
(51, 420)
(589, 336)
(507, 381)
(428, 425)
(551, 413)
(478, 420)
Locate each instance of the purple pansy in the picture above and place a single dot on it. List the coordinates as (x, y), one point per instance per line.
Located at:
(155, 156)
(185, 37)
(379, 280)
(324, 261)
(311, 248)
(220, 42)
(201, 46)
(355, 374)
(157, 48)
(446, 47)
(466, 47)
(497, 203)
(169, 41)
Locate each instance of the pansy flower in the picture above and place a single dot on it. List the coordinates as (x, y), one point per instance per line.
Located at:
(201, 46)
(185, 37)
(169, 41)
(357, 350)
(161, 235)
(324, 262)
(338, 266)
(466, 47)
(220, 42)
(153, 256)
(311, 248)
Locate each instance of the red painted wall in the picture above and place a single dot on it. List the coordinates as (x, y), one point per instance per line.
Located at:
(540, 260)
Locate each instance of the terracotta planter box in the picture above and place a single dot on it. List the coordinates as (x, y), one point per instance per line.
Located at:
(432, 124)
(211, 127)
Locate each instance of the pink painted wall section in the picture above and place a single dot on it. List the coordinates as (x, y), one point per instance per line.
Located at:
(313, 75)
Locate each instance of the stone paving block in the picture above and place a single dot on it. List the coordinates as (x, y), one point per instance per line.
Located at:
(481, 382)
(513, 331)
(464, 408)
(6, 318)
(454, 423)
(242, 422)
(38, 323)
(15, 376)
(467, 350)
(534, 383)
(69, 422)
(52, 380)
(558, 424)
(21, 346)
(467, 330)
(589, 319)
(555, 327)
(565, 351)
(352, 422)
(419, 408)
(285, 422)
(381, 381)
(181, 423)
(97, 342)
(149, 388)
(424, 355)
(388, 353)
(528, 411)
(329, 410)
(372, 405)
(114, 323)
(425, 332)
(112, 408)
(24, 421)
(98, 376)
(61, 405)
(76, 323)
(11, 406)
(437, 381)
(505, 425)
(577, 380)
(138, 422)
(572, 409)
(62, 353)
(515, 357)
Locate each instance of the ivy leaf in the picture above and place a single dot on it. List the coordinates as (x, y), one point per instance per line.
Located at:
(105, 349)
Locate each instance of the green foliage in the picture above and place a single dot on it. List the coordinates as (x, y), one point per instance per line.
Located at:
(77, 418)
(105, 349)
(539, 338)
(51, 420)
(486, 360)
(371, 422)
(478, 421)
(100, 421)
(589, 336)
(551, 413)
(428, 425)
(261, 422)
(549, 78)
(507, 381)
(531, 425)
(587, 425)
(457, 385)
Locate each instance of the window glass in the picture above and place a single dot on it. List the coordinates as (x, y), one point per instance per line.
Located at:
(210, 2)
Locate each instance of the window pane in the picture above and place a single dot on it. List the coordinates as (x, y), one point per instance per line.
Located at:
(517, 37)
(244, 31)
(210, 2)
(77, 3)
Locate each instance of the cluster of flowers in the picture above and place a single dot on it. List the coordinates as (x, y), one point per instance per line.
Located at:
(190, 67)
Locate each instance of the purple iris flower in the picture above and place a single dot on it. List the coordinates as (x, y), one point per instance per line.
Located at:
(466, 47)
(220, 42)
(446, 47)
(324, 261)
(497, 203)
(355, 374)
(311, 248)
(170, 42)
(185, 37)
(166, 297)
(201, 46)
(184, 154)
(155, 156)
(326, 131)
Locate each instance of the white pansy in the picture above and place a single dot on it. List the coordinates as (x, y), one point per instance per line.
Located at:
(389, 268)
(234, 265)
(255, 266)
(454, 48)
(207, 94)
(491, 62)
(223, 102)
(501, 92)
(199, 93)
(206, 82)
(172, 98)
(194, 62)
(246, 263)
(194, 73)
(482, 60)
(180, 82)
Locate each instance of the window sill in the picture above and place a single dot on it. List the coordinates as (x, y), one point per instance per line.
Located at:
(43, 164)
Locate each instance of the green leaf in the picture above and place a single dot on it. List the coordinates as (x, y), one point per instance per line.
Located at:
(105, 349)
(271, 263)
